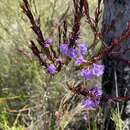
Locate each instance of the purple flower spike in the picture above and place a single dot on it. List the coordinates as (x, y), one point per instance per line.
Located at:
(80, 60)
(83, 48)
(98, 70)
(48, 43)
(51, 69)
(86, 73)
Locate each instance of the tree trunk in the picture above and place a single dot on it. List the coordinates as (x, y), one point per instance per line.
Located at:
(118, 12)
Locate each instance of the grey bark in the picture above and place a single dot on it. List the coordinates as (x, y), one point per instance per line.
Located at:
(118, 10)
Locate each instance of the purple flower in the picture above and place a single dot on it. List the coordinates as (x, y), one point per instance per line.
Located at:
(98, 70)
(94, 100)
(89, 104)
(51, 69)
(72, 53)
(86, 73)
(64, 48)
(82, 48)
(48, 43)
(96, 91)
(80, 60)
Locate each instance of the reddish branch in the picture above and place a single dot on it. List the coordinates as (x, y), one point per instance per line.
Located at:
(36, 29)
(110, 49)
(79, 90)
(78, 6)
(93, 22)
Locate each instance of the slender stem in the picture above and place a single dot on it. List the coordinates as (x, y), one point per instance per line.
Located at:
(117, 95)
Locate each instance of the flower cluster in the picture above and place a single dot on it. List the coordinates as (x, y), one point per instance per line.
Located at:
(73, 52)
(78, 53)
(70, 52)
(95, 70)
(93, 99)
